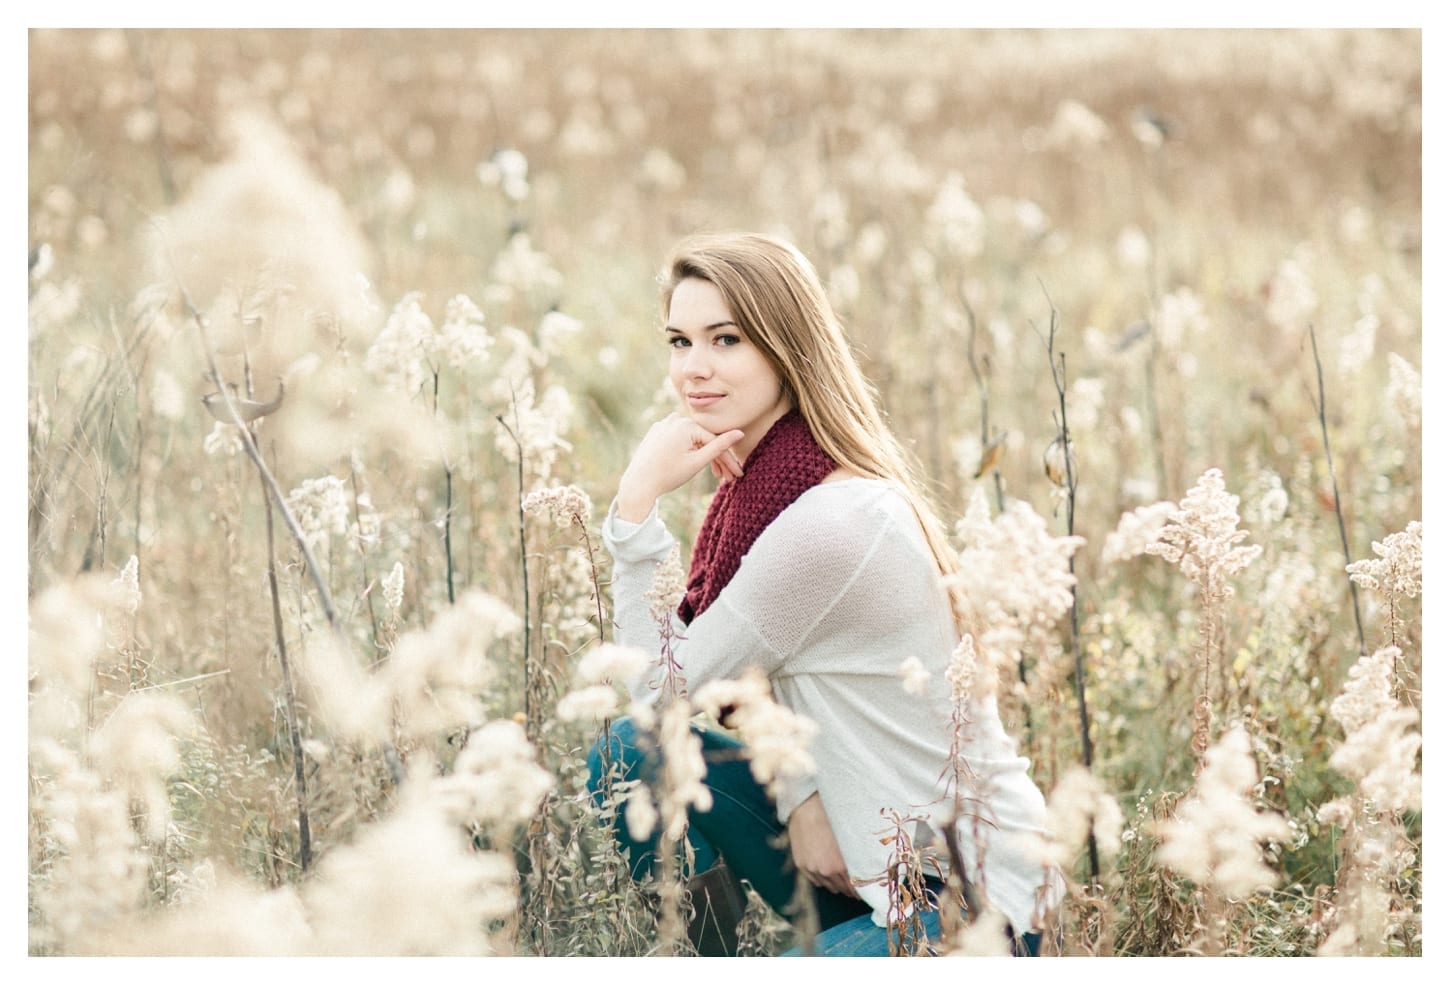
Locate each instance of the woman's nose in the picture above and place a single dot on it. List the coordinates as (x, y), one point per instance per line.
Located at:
(697, 362)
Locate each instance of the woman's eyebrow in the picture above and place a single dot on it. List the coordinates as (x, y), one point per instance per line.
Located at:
(707, 328)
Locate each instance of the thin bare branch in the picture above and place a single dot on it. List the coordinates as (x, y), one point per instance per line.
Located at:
(1334, 484)
(1057, 360)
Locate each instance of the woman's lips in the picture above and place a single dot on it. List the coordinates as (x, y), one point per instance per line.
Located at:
(699, 401)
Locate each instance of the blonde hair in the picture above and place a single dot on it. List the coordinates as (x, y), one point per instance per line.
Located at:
(776, 299)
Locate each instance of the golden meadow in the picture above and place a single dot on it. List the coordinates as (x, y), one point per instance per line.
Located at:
(295, 687)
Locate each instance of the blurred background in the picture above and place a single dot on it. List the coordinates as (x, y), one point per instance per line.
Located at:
(443, 244)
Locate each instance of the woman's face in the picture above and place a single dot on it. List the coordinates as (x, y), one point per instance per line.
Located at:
(723, 380)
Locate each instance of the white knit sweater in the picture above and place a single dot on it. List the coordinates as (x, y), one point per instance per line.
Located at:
(834, 595)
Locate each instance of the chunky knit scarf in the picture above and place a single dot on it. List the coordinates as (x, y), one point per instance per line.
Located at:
(785, 464)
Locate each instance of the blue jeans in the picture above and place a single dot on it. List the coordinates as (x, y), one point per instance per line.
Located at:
(741, 826)
(861, 938)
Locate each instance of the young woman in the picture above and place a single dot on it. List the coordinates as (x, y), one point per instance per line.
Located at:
(820, 563)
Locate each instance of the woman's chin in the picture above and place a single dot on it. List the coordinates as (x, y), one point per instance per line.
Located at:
(713, 422)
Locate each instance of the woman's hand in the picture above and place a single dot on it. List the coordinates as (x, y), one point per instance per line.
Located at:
(813, 848)
(673, 452)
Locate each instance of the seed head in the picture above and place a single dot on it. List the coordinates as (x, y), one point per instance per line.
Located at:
(668, 590)
(393, 588)
(1398, 569)
(1215, 836)
(1200, 536)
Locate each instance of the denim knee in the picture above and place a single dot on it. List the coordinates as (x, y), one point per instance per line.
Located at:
(617, 744)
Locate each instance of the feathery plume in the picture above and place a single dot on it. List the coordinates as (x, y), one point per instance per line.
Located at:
(1199, 536)
(392, 586)
(914, 676)
(322, 507)
(1078, 806)
(128, 586)
(1380, 746)
(1136, 530)
(778, 740)
(1397, 569)
(1215, 837)
(564, 504)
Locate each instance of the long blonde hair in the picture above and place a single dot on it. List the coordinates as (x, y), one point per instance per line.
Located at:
(776, 299)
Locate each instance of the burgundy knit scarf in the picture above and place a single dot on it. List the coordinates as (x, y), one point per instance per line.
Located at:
(785, 464)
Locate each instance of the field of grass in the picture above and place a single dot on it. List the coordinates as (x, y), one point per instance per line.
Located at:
(336, 728)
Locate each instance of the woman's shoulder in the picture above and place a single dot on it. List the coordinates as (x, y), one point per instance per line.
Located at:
(848, 508)
(860, 492)
(835, 531)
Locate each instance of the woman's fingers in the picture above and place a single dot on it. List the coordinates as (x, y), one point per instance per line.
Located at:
(729, 465)
(723, 464)
(814, 850)
(716, 451)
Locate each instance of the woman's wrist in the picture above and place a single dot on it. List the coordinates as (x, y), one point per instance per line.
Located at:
(633, 506)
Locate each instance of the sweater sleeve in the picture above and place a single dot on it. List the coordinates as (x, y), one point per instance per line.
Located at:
(787, 584)
(796, 572)
(637, 549)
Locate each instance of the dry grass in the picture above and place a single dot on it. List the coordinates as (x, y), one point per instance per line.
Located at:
(1191, 202)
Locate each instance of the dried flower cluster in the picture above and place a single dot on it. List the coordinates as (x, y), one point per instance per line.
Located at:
(222, 439)
(563, 504)
(668, 589)
(410, 349)
(1077, 806)
(984, 937)
(962, 670)
(507, 170)
(1379, 755)
(914, 676)
(399, 355)
(1216, 836)
(1396, 574)
(128, 583)
(1397, 569)
(392, 586)
(1405, 390)
(602, 679)
(539, 427)
(91, 777)
(322, 507)
(443, 895)
(1136, 531)
(496, 783)
(1380, 745)
(430, 683)
(1016, 579)
(1292, 297)
(957, 219)
(662, 806)
(778, 740)
(1199, 536)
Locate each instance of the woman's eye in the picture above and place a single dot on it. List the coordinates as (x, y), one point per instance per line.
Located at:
(727, 339)
(678, 342)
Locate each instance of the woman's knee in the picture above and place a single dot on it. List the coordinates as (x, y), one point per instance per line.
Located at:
(616, 753)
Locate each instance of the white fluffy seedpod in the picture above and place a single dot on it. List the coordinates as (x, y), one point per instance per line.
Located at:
(1215, 837)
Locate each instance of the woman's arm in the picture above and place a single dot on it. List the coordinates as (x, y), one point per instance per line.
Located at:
(673, 452)
(787, 584)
